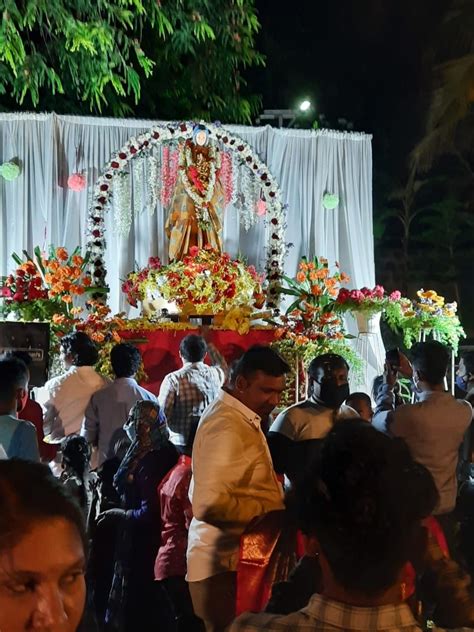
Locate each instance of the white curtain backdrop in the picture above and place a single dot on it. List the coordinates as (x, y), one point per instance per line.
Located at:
(38, 208)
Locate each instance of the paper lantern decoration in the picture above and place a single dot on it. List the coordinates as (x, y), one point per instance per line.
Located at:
(76, 182)
(330, 201)
(9, 170)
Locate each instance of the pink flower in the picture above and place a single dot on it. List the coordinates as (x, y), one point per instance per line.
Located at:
(358, 295)
(379, 291)
(154, 263)
(261, 207)
(76, 182)
(6, 292)
(194, 251)
(396, 295)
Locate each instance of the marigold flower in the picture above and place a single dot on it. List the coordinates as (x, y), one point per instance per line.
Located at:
(301, 277)
(316, 290)
(67, 298)
(62, 254)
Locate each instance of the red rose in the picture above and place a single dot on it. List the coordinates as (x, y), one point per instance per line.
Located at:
(20, 273)
(18, 297)
(193, 251)
(229, 292)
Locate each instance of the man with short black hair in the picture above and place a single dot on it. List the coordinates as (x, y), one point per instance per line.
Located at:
(295, 436)
(64, 398)
(108, 409)
(360, 509)
(433, 427)
(233, 481)
(17, 437)
(186, 393)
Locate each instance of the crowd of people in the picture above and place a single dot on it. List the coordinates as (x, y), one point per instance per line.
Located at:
(211, 508)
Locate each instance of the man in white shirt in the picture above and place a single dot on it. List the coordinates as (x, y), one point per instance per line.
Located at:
(295, 436)
(186, 393)
(433, 427)
(233, 481)
(64, 398)
(108, 408)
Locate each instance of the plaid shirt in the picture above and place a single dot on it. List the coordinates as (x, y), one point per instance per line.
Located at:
(325, 615)
(186, 393)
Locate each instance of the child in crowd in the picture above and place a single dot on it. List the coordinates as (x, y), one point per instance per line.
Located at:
(362, 404)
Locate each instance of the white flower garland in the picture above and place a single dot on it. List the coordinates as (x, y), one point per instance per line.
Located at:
(152, 183)
(178, 132)
(137, 170)
(122, 204)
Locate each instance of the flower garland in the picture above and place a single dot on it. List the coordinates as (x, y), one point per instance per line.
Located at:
(169, 174)
(152, 183)
(137, 171)
(167, 133)
(200, 192)
(226, 177)
(122, 204)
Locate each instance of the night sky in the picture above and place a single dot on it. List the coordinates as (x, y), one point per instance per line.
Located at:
(368, 61)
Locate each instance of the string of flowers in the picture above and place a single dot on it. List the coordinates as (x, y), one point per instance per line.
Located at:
(169, 173)
(122, 204)
(226, 177)
(152, 183)
(137, 171)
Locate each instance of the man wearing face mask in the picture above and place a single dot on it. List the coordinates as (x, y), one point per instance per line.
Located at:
(17, 437)
(433, 427)
(295, 436)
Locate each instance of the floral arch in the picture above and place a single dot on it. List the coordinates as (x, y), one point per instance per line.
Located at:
(269, 209)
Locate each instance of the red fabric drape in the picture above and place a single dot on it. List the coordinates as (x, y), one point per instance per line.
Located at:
(160, 351)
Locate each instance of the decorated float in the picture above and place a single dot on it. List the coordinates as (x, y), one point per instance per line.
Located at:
(196, 172)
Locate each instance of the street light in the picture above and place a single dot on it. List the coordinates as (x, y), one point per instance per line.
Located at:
(305, 105)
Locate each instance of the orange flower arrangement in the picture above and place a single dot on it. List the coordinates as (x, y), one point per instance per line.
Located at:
(44, 286)
(311, 326)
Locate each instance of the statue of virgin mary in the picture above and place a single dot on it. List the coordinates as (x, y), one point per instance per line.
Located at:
(194, 218)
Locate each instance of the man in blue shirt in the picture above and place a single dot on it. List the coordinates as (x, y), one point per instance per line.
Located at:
(109, 407)
(17, 437)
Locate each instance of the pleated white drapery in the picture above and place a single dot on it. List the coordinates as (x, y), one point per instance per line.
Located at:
(38, 208)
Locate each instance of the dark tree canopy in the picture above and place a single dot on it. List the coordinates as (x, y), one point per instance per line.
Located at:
(176, 59)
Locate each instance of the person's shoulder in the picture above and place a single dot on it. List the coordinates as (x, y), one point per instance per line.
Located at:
(145, 393)
(11, 421)
(25, 429)
(57, 381)
(253, 622)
